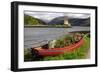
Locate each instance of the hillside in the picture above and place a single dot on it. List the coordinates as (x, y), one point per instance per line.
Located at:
(72, 21)
(29, 20)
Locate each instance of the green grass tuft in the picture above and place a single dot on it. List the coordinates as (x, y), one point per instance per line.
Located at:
(80, 53)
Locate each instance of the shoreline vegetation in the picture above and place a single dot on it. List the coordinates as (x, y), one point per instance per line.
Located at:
(47, 26)
(80, 53)
(32, 22)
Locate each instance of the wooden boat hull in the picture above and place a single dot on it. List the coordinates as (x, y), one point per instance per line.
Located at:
(58, 51)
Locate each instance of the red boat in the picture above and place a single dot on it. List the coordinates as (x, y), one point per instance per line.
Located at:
(57, 51)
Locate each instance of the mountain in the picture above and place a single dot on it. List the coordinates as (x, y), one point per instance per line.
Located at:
(29, 20)
(72, 21)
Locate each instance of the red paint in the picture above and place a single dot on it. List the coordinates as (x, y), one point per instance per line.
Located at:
(58, 51)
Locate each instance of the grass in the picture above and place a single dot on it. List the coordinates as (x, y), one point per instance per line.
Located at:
(66, 40)
(80, 53)
(27, 55)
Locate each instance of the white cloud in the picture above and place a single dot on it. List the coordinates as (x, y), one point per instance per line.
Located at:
(81, 16)
(51, 15)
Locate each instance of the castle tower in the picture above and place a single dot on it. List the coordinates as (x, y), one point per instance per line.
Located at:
(66, 22)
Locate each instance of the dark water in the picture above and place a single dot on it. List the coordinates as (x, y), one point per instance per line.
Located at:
(38, 36)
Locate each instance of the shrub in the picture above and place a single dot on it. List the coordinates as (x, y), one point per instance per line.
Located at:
(80, 53)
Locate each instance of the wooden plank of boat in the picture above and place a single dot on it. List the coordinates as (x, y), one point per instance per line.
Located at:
(58, 51)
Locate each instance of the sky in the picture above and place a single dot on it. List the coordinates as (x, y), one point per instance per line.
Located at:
(51, 15)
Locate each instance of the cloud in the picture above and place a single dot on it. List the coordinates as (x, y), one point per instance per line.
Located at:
(81, 16)
(51, 15)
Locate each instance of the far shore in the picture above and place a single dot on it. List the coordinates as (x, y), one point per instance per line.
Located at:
(46, 26)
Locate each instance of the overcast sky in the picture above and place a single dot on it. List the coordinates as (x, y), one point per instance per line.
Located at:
(51, 15)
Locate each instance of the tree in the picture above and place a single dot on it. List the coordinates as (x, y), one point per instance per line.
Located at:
(29, 20)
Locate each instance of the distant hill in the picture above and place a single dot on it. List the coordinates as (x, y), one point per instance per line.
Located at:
(72, 21)
(29, 20)
(80, 22)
